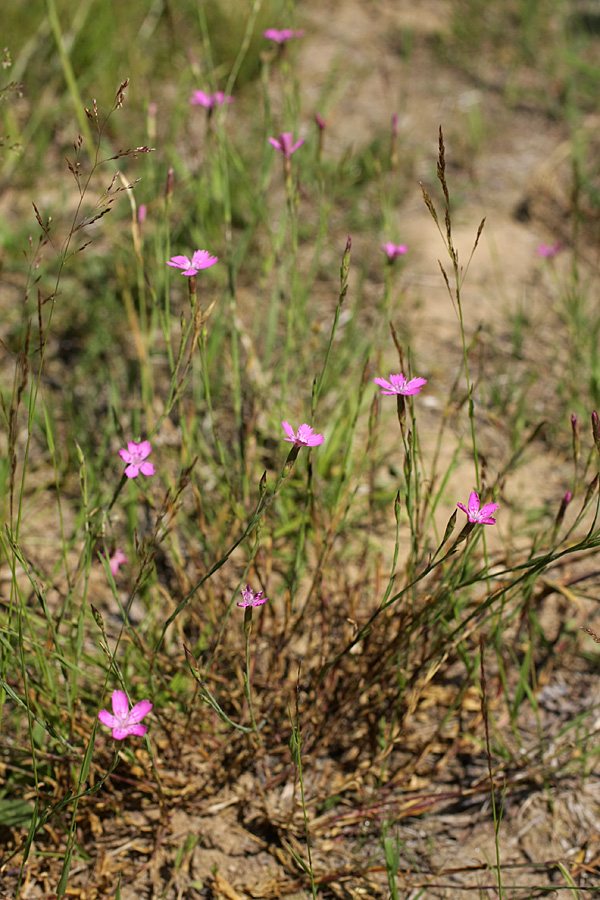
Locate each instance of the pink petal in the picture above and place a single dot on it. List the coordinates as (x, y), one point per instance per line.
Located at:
(125, 455)
(285, 139)
(179, 262)
(107, 718)
(144, 449)
(202, 259)
(147, 468)
(275, 143)
(140, 710)
(414, 385)
(120, 704)
(473, 503)
(296, 145)
(289, 431)
(389, 388)
(132, 471)
(136, 729)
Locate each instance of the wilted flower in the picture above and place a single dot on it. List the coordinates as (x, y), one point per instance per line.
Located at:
(393, 251)
(249, 598)
(208, 101)
(305, 436)
(281, 35)
(476, 515)
(135, 456)
(122, 720)
(200, 260)
(549, 250)
(285, 145)
(117, 559)
(400, 385)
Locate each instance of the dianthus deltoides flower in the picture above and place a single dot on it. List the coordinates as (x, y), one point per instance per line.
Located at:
(249, 598)
(285, 144)
(136, 455)
(209, 101)
(281, 35)
(549, 250)
(117, 559)
(476, 515)
(305, 436)
(398, 384)
(200, 260)
(393, 251)
(122, 720)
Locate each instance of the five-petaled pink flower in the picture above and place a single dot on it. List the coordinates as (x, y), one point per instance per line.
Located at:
(249, 598)
(305, 436)
(122, 720)
(398, 384)
(209, 101)
(393, 251)
(116, 560)
(281, 35)
(549, 250)
(476, 515)
(200, 260)
(135, 456)
(285, 145)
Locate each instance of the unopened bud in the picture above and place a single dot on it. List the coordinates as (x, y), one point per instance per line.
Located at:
(576, 441)
(450, 526)
(561, 511)
(596, 430)
(397, 507)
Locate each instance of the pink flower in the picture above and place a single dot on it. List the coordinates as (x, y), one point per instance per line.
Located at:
(284, 144)
(321, 123)
(549, 250)
(122, 720)
(135, 456)
(208, 101)
(478, 516)
(305, 436)
(117, 559)
(281, 36)
(249, 598)
(399, 385)
(200, 260)
(393, 251)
